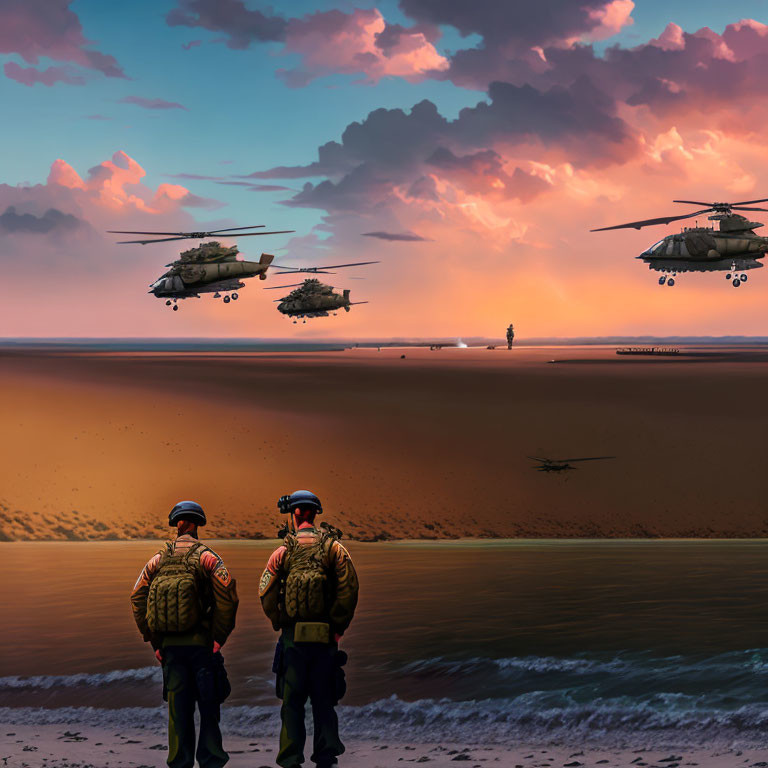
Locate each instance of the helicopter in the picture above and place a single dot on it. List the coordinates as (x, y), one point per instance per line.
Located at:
(312, 299)
(733, 248)
(554, 465)
(212, 267)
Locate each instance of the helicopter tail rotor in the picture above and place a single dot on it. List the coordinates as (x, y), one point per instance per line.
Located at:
(265, 260)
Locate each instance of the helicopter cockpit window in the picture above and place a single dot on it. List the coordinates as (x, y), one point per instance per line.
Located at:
(656, 246)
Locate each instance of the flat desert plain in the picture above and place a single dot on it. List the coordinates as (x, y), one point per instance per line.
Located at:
(101, 445)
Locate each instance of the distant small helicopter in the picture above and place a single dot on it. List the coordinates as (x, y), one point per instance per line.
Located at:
(734, 248)
(312, 299)
(554, 465)
(215, 268)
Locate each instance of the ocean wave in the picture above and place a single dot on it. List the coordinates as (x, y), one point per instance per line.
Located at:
(753, 661)
(607, 723)
(82, 679)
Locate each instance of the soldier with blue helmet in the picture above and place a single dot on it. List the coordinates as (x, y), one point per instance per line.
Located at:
(184, 603)
(309, 592)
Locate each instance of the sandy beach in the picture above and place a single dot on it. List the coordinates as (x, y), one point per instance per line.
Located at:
(99, 445)
(75, 745)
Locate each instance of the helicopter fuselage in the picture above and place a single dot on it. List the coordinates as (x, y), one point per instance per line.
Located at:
(187, 278)
(734, 248)
(314, 305)
(704, 249)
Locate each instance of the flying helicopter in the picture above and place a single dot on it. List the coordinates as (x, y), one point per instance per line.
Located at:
(312, 299)
(555, 465)
(733, 248)
(214, 268)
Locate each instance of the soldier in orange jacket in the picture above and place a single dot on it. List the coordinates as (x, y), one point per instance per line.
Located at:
(184, 603)
(309, 592)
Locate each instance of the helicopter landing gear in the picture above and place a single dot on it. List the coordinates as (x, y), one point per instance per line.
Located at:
(217, 295)
(175, 307)
(226, 299)
(736, 282)
(668, 278)
(235, 297)
(168, 303)
(743, 278)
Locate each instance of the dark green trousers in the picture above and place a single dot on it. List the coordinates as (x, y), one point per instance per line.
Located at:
(308, 671)
(189, 678)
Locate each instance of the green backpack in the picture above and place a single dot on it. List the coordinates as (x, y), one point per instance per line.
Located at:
(307, 585)
(175, 601)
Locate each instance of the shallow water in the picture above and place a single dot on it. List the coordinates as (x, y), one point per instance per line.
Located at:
(587, 634)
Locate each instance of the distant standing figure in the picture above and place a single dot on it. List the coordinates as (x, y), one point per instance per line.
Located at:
(184, 604)
(309, 592)
(510, 336)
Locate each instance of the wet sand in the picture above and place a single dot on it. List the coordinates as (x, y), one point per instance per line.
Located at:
(100, 445)
(73, 745)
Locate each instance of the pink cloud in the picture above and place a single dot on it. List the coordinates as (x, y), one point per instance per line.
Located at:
(610, 19)
(671, 39)
(116, 185)
(141, 101)
(48, 28)
(50, 76)
(336, 42)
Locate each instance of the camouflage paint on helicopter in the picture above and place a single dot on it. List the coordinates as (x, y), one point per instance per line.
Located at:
(209, 268)
(734, 248)
(314, 299)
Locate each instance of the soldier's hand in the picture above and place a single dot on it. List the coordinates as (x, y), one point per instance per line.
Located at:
(216, 647)
(159, 655)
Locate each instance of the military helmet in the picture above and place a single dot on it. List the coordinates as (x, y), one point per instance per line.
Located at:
(304, 499)
(187, 510)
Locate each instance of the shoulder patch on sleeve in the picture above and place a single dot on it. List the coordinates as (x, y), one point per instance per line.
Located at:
(266, 581)
(222, 575)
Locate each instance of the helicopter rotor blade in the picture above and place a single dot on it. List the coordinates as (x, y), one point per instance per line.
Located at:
(749, 202)
(192, 235)
(651, 222)
(144, 242)
(251, 234)
(232, 229)
(133, 232)
(288, 269)
(743, 208)
(278, 287)
(727, 205)
(543, 461)
(181, 234)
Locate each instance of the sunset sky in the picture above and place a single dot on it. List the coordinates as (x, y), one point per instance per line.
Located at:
(468, 146)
